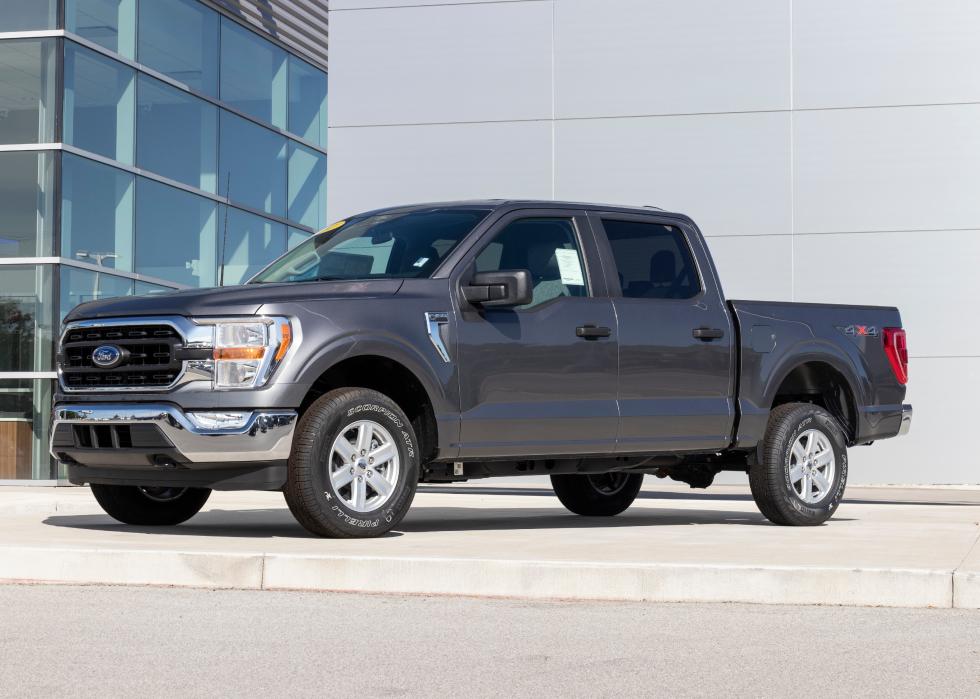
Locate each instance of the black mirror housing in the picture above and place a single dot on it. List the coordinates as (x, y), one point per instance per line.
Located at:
(510, 287)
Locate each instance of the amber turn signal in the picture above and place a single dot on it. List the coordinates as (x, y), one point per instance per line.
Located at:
(239, 352)
(287, 338)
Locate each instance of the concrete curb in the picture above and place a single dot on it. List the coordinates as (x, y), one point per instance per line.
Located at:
(496, 578)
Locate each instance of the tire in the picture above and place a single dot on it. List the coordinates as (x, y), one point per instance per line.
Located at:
(778, 492)
(598, 494)
(150, 507)
(330, 506)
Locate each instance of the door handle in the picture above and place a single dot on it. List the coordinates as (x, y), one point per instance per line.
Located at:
(591, 332)
(708, 334)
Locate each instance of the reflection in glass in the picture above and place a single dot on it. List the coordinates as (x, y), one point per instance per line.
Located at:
(108, 23)
(252, 242)
(96, 213)
(26, 15)
(178, 134)
(99, 104)
(175, 234)
(252, 165)
(307, 186)
(307, 101)
(253, 74)
(295, 236)
(82, 285)
(25, 415)
(27, 90)
(179, 38)
(146, 289)
(25, 318)
(26, 203)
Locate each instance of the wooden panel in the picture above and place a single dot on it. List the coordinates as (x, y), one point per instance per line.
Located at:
(15, 449)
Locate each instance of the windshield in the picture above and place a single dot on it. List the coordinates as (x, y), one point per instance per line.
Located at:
(390, 245)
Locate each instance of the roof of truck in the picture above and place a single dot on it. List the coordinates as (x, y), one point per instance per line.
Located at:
(531, 204)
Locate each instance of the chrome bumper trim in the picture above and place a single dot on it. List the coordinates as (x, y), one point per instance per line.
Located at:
(906, 420)
(266, 436)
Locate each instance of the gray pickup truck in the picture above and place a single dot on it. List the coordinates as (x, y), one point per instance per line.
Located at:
(447, 342)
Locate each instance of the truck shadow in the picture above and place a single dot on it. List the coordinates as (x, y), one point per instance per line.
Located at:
(273, 523)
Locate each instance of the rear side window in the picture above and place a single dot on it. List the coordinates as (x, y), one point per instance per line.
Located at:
(654, 261)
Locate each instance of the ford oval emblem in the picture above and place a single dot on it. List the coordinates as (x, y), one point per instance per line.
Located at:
(107, 356)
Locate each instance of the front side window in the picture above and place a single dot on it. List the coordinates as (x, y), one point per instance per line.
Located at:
(653, 261)
(547, 248)
(389, 245)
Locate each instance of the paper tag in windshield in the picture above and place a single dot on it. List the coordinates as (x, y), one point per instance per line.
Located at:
(569, 267)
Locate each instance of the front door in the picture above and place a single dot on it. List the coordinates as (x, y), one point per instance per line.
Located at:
(539, 379)
(675, 338)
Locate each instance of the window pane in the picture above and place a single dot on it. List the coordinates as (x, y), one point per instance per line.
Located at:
(96, 213)
(27, 90)
(178, 134)
(307, 101)
(24, 15)
(26, 204)
(180, 39)
(81, 286)
(146, 289)
(108, 23)
(547, 248)
(252, 243)
(307, 186)
(25, 318)
(653, 261)
(174, 234)
(99, 104)
(253, 74)
(252, 165)
(25, 414)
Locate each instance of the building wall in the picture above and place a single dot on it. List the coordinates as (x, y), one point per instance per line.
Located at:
(829, 149)
(145, 145)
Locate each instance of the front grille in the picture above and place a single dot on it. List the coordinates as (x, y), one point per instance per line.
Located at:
(151, 357)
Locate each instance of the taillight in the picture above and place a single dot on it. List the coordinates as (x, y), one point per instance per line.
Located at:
(898, 353)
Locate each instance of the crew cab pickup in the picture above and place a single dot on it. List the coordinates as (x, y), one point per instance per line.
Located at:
(464, 340)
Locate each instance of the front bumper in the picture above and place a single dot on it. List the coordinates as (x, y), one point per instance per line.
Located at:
(151, 443)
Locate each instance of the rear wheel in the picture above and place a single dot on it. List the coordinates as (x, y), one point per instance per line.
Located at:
(150, 506)
(801, 472)
(597, 494)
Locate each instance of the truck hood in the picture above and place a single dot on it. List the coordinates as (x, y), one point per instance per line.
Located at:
(230, 300)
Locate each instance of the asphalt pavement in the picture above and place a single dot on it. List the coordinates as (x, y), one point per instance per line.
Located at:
(148, 642)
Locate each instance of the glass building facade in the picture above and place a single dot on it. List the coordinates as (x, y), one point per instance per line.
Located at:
(145, 145)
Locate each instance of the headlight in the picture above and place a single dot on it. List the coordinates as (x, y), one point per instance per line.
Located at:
(246, 353)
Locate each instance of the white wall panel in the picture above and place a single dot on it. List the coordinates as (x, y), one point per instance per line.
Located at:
(940, 446)
(382, 166)
(756, 267)
(907, 168)
(883, 52)
(369, 4)
(925, 274)
(730, 171)
(666, 57)
(470, 62)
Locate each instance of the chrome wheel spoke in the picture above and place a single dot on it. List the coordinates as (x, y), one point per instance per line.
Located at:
(364, 434)
(381, 486)
(796, 473)
(822, 485)
(345, 450)
(824, 458)
(358, 491)
(799, 453)
(383, 454)
(342, 477)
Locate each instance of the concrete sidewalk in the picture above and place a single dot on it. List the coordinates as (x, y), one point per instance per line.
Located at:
(890, 547)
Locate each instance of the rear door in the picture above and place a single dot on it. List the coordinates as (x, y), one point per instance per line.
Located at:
(675, 336)
(530, 383)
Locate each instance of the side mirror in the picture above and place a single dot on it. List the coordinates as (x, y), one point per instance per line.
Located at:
(510, 287)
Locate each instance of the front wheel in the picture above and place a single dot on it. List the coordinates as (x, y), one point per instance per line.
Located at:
(597, 494)
(150, 506)
(802, 466)
(354, 465)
